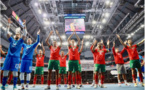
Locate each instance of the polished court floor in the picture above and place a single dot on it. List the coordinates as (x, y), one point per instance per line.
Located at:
(85, 87)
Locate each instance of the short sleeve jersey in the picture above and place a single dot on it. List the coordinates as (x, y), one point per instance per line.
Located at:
(54, 53)
(73, 52)
(62, 61)
(40, 60)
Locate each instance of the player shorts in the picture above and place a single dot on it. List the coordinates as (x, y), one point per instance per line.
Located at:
(142, 69)
(62, 70)
(121, 69)
(11, 63)
(26, 66)
(39, 70)
(135, 64)
(100, 68)
(53, 64)
(73, 65)
(80, 68)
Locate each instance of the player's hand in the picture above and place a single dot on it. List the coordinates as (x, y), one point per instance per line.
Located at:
(24, 21)
(57, 32)
(82, 41)
(42, 43)
(38, 32)
(117, 36)
(51, 32)
(108, 41)
(95, 42)
(125, 42)
(113, 43)
(9, 20)
(102, 41)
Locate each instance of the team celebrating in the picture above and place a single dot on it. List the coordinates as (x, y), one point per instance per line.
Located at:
(57, 61)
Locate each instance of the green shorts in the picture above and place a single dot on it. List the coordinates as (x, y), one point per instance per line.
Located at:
(53, 64)
(135, 64)
(100, 67)
(62, 70)
(80, 68)
(73, 65)
(39, 71)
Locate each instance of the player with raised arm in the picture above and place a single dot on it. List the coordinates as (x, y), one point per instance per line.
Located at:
(26, 62)
(39, 69)
(62, 68)
(12, 60)
(54, 59)
(73, 62)
(100, 61)
(134, 58)
(119, 64)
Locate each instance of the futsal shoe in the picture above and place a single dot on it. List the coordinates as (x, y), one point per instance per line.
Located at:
(73, 86)
(102, 86)
(81, 85)
(99, 84)
(3, 88)
(142, 84)
(15, 88)
(135, 84)
(6, 86)
(59, 85)
(95, 86)
(127, 84)
(57, 88)
(48, 88)
(119, 84)
(92, 84)
(33, 85)
(69, 87)
(27, 87)
(78, 87)
(22, 87)
(65, 85)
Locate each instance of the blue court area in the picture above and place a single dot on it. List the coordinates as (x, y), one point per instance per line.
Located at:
(86, 87)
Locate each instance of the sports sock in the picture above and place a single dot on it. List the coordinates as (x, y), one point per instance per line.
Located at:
(56, 81)
(73, 80)
(134, 78)
(69, 79)
(119, 81)
(125, 81)
(49, 82)
(141, 77)
(10, 78)
(42, 79)
(99, 81)
(59, 80)
(27, 82)
(4, 81)
(22, 82)
(96, 79)
(1, 78)
(15, 80)
(34, 80)
(80, 80)
(102, 79)
(65, 80)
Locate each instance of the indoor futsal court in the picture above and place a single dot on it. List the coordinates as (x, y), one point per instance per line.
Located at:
(72, 45)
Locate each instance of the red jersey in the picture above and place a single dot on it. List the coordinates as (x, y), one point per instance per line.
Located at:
(100, 56)
(94, 53)
(54, 53)
(40, 61)
(73, 52)
(79, 58)
(118, 56)
(132, 52)
(62, 61)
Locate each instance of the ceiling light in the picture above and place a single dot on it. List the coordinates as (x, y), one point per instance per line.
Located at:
(46, 22)
(53, 22)
(36, 4)
(142, 26)
(63, 36)
(3, 28)
(107, 2)
(111, 3)
(0, 24)
(58, 43)
(65, 43)
(87, 44)
(106, 14)
(39, 11)
(94, 22)
(132, 34)
(44, 14)
(129, 36)
(104, 21)
(101, 26)
(39, 44)
(86, 36)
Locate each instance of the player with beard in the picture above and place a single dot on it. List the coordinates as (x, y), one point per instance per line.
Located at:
(134, 58)
(73, 60)
(39, 69)
(54, 59)
(100, 61)
(12, 60)
(26, 62)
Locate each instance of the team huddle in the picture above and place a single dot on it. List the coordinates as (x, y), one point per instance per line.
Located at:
(57, 61)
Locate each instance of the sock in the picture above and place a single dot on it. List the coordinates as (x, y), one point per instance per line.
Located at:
(125, 81)
(134, 78)
(96, 79)
(56, 81)
(138, 79)
(80, 80)
(15, 80)
(65, 80)
(4, 81)
(42, 80)
(73, 80)
(27, 82)
(34, 80)
(141, 77)
(99, 81)
(69, 79)
(10, 78)
(22, 82)
(93, 81)
(59, 80)
(1, 78)
(49, 82)
(102, 79)
(119, 81)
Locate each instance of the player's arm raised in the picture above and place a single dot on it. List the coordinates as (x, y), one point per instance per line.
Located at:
(77, 39)
(8, 28)
(59, 38)
(48, 38)
(43, 48)
(120, 40)
(68, 40)
(94, 43)
(36, 49)
(24, 30)
(142, 41)
(82, 46)
(38, 39)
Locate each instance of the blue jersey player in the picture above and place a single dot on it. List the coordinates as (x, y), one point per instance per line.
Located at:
(27, 57)
(12, 60)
